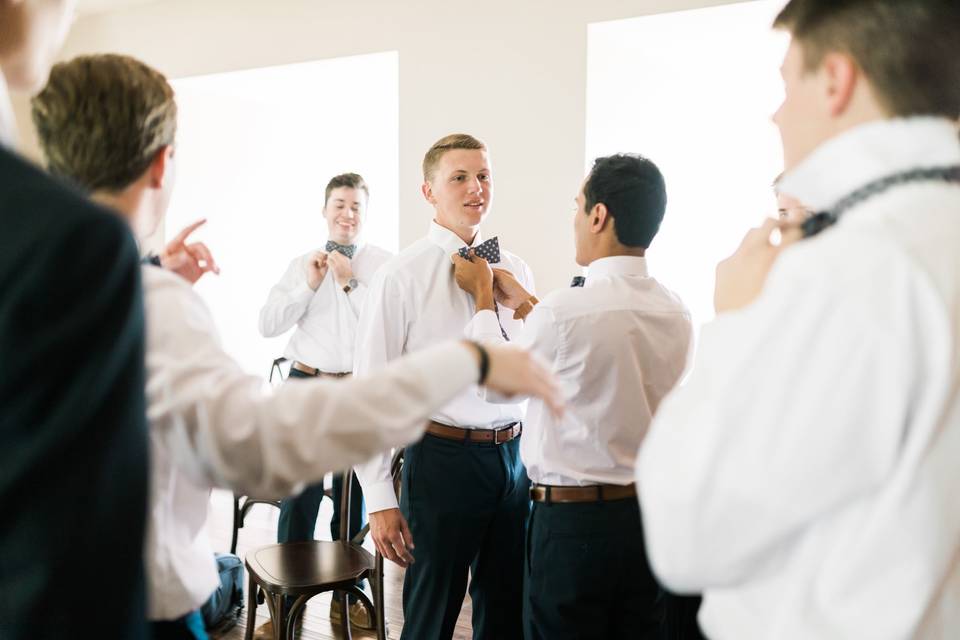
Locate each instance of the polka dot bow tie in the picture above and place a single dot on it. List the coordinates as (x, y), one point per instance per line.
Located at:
(346, 249)
(489, 250)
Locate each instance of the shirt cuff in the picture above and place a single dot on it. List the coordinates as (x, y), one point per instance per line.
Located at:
(380, 497)
(302, 293)
(484, 327)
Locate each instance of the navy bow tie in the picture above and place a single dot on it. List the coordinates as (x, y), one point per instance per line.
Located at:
(578, 281)
(489, 250)
(346, 249)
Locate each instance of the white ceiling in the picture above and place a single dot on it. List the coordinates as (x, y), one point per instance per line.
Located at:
(87, 7)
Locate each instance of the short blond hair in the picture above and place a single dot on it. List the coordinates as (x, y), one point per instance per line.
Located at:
(445, 144)
(101, 120)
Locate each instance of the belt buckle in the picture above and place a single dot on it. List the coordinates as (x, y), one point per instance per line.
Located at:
(546, 493)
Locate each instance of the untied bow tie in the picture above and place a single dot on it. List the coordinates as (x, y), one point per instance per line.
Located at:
(346, 249)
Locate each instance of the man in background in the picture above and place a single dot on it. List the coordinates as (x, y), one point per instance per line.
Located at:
(321, 293)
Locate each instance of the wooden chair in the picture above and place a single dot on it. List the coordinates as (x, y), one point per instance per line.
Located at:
(241, 507)
(301, 570)
(242, 503)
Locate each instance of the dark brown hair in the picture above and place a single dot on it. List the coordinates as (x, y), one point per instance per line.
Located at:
(352, 180)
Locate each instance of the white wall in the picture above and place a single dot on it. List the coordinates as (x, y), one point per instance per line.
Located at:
(512, 72)
(705, 122)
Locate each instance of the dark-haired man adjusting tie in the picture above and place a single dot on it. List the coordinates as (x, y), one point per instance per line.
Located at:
(618, 341)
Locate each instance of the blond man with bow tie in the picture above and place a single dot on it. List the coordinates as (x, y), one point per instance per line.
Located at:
(464, 499)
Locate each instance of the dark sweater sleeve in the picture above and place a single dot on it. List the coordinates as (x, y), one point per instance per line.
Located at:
(73, 439)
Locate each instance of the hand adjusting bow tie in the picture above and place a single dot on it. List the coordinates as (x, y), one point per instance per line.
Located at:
(489, 250)
(346, 249)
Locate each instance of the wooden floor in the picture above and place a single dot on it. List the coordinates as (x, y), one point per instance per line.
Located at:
(261, 529)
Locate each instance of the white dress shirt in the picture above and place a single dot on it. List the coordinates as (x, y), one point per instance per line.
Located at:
(806, 475)
(326, 319)
(414, 302)
(213, 425)
(617, 346)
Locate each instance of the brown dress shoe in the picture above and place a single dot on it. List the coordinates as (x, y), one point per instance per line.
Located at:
(360, 616)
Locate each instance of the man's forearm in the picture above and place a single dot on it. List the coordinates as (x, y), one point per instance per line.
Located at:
(483, 299)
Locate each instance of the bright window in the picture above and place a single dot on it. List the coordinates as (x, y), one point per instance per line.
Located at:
(255, 150)
(693, 91)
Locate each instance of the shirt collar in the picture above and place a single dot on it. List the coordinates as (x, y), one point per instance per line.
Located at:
(448, 240)
(8, 126)
(616, 266)
(868, 152)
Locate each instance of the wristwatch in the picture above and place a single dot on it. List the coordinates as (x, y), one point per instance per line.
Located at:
(351, 285)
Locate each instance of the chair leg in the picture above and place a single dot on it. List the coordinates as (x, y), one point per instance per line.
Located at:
(277, 615)
(236, 523)
(345, 618)
(376, 583)
(251, 607)
(296, 610)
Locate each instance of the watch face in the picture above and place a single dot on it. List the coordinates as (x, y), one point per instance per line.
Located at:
(352, 283)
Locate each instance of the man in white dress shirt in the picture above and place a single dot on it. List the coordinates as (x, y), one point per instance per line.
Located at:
(805, 475)
(618, 341)
(110, 121)
(464, 489)
(321, 293)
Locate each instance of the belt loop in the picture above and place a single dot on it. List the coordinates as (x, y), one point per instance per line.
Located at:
(600, 497)
(466, 437)
(547, 498)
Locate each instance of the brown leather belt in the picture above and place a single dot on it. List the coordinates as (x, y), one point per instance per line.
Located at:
(313, 371)
(592, 493)
(492, 436)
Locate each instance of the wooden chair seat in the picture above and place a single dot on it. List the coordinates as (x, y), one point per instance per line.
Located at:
(296, 568)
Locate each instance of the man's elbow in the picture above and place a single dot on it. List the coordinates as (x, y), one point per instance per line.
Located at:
(267, 329)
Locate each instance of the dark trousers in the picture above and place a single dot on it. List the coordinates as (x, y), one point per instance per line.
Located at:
(466, 504)
(587, 574)
(682, 618)
(298, 514)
